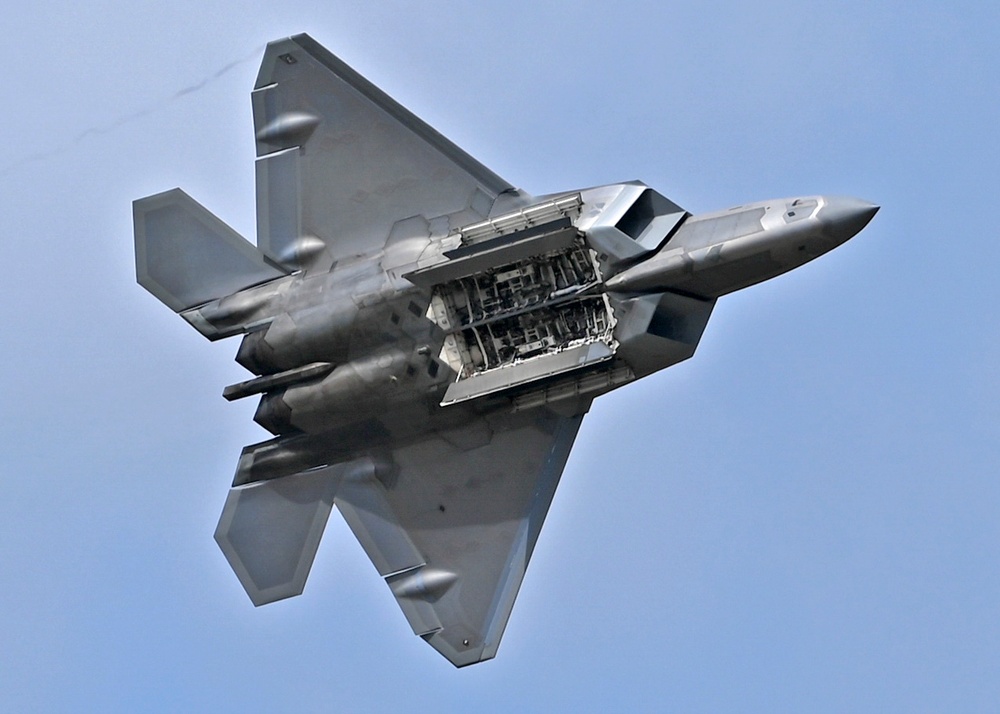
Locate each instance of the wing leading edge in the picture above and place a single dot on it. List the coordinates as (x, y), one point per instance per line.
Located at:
(342, 162)
(450, 521)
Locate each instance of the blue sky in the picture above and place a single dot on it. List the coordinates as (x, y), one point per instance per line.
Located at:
(802, 517)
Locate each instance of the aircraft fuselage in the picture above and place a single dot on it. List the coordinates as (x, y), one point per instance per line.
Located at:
(426, 338)
(361, 353)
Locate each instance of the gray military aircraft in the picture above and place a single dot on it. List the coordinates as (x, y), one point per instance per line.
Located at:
(427, 338)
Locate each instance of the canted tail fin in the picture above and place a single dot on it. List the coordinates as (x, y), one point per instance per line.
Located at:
(186, 256)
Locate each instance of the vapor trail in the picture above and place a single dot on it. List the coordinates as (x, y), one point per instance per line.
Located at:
(108, 127)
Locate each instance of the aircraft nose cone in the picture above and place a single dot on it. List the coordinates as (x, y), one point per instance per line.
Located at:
(845, 217)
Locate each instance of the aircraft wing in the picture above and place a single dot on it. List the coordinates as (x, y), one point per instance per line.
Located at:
(450, 520)
(341, 161)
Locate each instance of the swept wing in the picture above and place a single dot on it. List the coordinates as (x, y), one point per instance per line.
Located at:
(449, 520)
(341, 161)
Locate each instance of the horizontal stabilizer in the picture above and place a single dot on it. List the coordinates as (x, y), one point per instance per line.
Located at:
(186, 256)
(270, 531)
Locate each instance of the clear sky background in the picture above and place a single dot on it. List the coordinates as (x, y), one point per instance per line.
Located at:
(803, 517)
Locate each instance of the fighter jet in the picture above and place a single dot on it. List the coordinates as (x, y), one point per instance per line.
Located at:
(427, 338)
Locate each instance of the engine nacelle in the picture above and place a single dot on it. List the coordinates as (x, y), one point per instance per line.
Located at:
(321, 333)
(351, 392)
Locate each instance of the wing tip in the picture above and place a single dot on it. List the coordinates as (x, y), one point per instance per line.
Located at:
(462, 653)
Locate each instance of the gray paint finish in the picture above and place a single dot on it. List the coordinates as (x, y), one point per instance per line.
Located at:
(436, 412)
(185, 256)
(352, 161)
